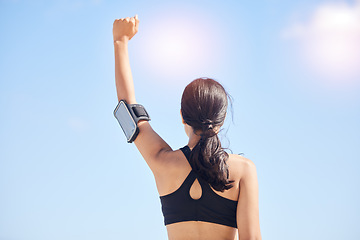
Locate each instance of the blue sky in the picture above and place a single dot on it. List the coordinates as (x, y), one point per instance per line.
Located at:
(292, 68)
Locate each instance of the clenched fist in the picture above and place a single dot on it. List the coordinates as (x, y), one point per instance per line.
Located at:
(125, 28)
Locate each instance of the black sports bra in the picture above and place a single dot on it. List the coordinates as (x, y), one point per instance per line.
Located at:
(178, 206)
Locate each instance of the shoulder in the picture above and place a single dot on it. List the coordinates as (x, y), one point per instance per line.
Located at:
(240, 161)
(241, 166)
(171, 160)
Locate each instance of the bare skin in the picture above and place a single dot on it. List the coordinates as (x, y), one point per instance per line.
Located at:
(170, 167)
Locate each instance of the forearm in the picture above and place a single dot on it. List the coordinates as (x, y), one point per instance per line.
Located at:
(123, 77)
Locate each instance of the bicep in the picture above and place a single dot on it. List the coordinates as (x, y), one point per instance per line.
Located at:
(151, 146)
(248, 204)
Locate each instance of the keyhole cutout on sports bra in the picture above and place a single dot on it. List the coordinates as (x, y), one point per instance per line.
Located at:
(195, 190)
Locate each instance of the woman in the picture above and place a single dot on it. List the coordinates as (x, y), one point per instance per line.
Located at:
(205, 193)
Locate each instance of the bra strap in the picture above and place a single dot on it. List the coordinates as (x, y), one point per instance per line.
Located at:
(186, 151)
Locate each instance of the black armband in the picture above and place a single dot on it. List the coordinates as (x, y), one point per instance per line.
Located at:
(128, 115)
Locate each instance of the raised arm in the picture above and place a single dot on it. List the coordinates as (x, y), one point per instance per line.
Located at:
(123, 30)
(149, 143)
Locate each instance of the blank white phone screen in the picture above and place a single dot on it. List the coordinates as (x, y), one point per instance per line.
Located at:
(125, 120)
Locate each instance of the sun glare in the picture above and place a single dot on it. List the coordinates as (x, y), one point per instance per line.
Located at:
(179, 45)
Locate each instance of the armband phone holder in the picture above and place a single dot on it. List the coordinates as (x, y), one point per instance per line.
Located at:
(128, 115)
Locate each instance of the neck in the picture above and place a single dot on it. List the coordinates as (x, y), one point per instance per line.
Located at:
(193, 140)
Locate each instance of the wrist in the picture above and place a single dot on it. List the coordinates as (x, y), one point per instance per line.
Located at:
(124, 39)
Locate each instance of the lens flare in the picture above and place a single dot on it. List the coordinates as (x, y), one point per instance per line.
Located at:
(180, 45)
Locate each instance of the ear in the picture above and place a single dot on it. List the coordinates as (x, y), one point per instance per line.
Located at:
(217, 129)
(182, 119)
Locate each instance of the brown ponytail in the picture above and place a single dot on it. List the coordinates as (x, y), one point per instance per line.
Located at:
(203, 107)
